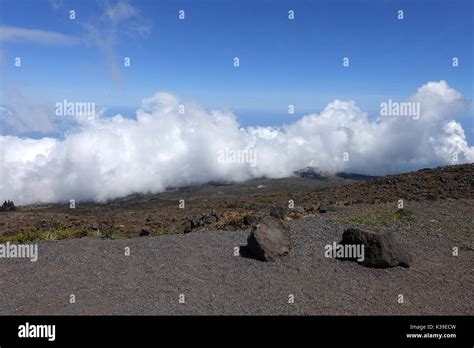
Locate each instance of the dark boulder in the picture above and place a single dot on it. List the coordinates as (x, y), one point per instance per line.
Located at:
(216, 214)
(207, 219)
(188, 226)
(268, 240)
(278, 212)
(145, 231)
(380, 249)
(250, 220)
(201, 221)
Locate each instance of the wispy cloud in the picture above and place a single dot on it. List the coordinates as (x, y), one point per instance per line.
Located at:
(13, 34)
(120, 11)
(111, 23)
(56, 4)
(117, 20)
(24, 114)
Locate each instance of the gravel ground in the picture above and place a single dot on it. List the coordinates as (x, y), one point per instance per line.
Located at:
(202, 266)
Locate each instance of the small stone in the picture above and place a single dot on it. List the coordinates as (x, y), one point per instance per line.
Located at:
(277, 212)
(145, 231)
(250, 220)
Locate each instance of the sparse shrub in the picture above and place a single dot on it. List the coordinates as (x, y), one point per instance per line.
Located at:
(7, 206)
(30, 236)
(4, 239)
(57, 231)
(107, 233)
(403, 214)
(81, 233)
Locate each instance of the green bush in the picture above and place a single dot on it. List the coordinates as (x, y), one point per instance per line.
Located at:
(28, 235)
(107, 233)
(8, 206)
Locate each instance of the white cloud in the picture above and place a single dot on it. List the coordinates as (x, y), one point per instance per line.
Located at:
(452, 142)
(9, 33)
(24, 115)
(116, 21)
(113, 157)
(120, 11)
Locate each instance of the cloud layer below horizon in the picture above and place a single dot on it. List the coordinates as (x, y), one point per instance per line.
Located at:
(106, 158)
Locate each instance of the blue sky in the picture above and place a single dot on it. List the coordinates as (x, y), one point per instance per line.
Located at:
(281, 61)
(52, 158)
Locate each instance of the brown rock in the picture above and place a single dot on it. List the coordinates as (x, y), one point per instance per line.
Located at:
(268, 240)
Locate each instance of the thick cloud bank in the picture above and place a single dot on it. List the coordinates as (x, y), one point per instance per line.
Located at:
(164, 147)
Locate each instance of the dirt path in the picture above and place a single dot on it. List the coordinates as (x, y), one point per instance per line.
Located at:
(202, 266)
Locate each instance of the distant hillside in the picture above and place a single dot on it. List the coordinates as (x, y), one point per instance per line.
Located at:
(225, 207)
(425, 184)
(316, 174)
(354, 176)
(442, 182)
(311, 173)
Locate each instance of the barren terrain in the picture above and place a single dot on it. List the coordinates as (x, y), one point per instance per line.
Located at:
(191, 251)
